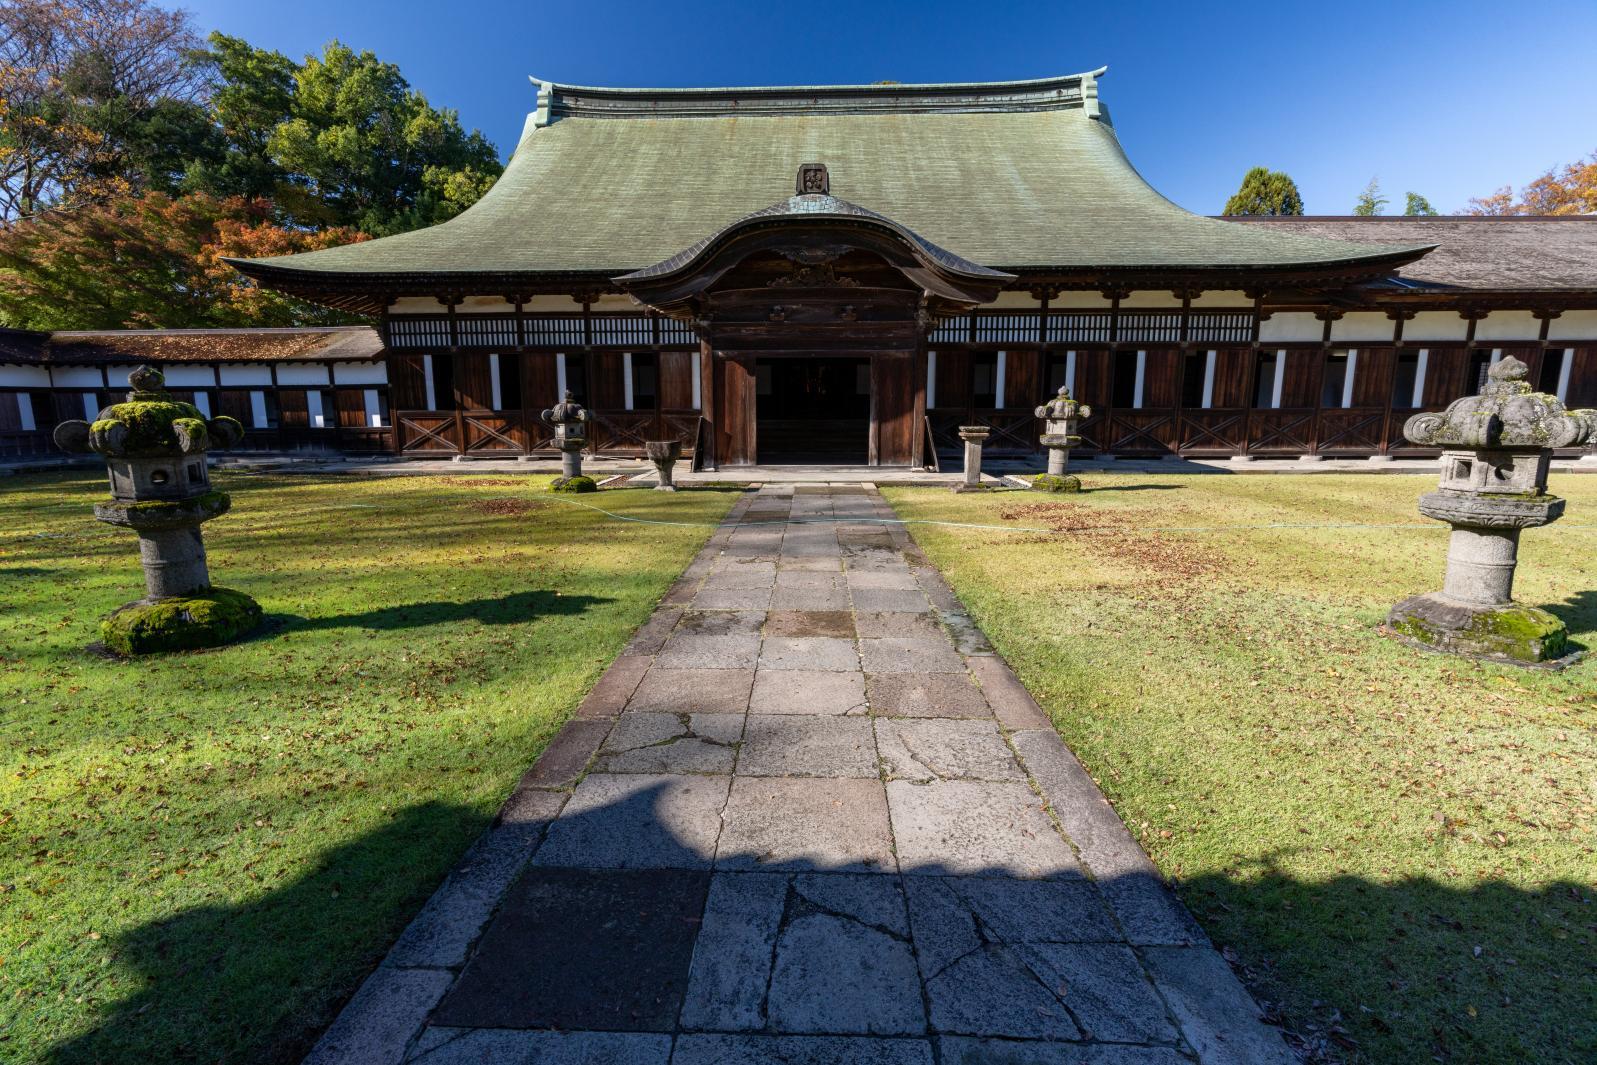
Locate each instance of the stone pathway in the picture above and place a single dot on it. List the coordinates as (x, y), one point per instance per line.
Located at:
(808, 816)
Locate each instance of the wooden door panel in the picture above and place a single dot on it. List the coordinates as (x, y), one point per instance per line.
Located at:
(893, 404)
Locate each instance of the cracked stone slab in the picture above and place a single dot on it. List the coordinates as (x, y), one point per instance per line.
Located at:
(741, 573)
(792, 745)
(834, 623)
(617, 684)
(899, 654)
(473, 1046)
(733, 599)
(966, 634)
(808, 652)
(1038, 911)
(914, 624)
(927, 695)
(388, 1009)
(808, 579)
(568, 754)
(807, 691)
(900, 579)
(720, 622)
(812, 564)
(671, 743)
(907, 601)
(806, 824)
(643, 821)
(834, 974)
(799, 1050)
(581, 949)
(1011, 702)
(680, 691)
(1105, 989)
(966, 1050)
(652, 634)
(969, 828)
(991, 992)
(684, 651)
(732, 959)
(924, 750)
(1216, 1014)
(833, 598)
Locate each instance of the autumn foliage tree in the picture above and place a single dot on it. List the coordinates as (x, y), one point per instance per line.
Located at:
(152, 260)
(115, 116)
(1566, 190)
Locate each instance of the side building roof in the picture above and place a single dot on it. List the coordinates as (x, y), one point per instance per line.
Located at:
(1497, 253)
(1012, 175)
(354, 343)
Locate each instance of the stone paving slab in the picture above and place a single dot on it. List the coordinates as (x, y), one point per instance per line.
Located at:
(807, 817)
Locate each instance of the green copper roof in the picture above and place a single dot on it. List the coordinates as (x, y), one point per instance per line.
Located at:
(1011, 175)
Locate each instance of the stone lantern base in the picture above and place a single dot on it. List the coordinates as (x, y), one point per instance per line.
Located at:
(1053, 482)
(208, 618)
(1509, 632)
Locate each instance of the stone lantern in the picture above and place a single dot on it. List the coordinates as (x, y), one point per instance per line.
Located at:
(1494, 483)
(569, 421)
(974, 436)
(1062, 417)
(154, 448)
(664, 454)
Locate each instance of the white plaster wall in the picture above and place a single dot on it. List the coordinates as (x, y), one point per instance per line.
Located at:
(1013, 301)
(1289, 326)
(1574, 325)
(1163, 300)
(552, 304)
(416, 305)
(1360, 325)
(1435, 325)
(360, 373)
(24, 377)
(76, 377)
(1508, 325)
(1223, 299)
(245, 374)
(1080, 301)
(487, 305)
(189, 377)
(118, 375)
(301, 373)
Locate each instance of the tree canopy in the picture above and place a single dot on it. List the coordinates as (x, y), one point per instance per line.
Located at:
(1570, 189)
(114, 115)
(1416, 206)
(1370, 202)
(1265, 192)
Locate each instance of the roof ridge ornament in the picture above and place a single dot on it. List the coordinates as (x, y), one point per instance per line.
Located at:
(1089, 94)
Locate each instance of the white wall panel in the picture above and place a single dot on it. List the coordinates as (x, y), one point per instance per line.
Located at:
(1362, 325)
(360, 373)
(301, 373)
(1574, 325)
(1435, 325)
(234, 376)
(1291, 326)
(24, 377)
(76, 377)
(187, 377)
(1508, 325)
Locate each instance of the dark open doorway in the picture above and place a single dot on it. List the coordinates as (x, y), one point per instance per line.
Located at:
(811, 409)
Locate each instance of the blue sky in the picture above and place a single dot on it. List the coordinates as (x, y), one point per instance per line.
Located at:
(1451, 100)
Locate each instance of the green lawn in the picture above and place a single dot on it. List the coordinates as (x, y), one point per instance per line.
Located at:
(202, 855)
(1400, 848)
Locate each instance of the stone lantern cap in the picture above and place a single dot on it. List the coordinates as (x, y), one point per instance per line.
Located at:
(974, 432)
(150, 424)
(1061, 407)
(1507, 416)
(567, 412)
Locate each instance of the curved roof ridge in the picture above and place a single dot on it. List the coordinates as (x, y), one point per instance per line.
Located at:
(560, 101)
(875, 86)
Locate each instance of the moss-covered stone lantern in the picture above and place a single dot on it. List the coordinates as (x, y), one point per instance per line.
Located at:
(1494, 483)
(569, 421)
(1061, 431)
(154, 448)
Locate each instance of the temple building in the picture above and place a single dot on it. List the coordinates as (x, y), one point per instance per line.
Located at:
(846, 274)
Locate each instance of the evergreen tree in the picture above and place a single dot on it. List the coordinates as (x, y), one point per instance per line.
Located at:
(1370, 202)
(1265, 192)
(1417, 206)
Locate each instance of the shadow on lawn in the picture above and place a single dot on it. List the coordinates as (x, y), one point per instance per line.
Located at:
(1578, 612)
(1393, 970)
(256, 982)
(505, 610)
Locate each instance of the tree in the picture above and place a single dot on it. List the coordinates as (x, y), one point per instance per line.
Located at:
(151, 260)
(1370, 201)
(1568, 190)
(1265, 192)
(1416, 206)
(94, 92)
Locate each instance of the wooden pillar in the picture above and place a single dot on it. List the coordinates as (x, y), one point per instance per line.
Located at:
(707, 405)
(918, 416)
